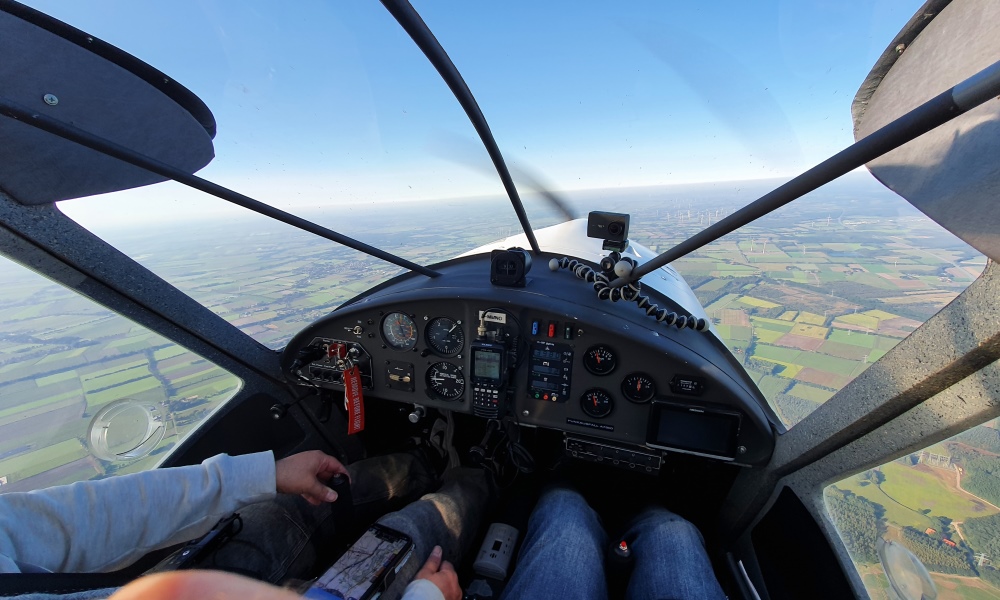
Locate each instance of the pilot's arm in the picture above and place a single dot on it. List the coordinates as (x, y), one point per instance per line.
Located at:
(94, 526)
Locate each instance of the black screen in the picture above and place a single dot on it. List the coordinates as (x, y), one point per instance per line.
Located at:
(705, 432)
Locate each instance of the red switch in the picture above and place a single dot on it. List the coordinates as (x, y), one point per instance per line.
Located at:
(552, 329)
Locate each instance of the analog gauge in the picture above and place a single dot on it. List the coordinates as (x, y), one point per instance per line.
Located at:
(639, 388)
(445, 336)
(597, 403)
(446, 381)
(600, 360)
(399, 331)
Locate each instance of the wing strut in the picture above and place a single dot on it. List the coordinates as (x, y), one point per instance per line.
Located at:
(938, 110)
(109, 148)
(411, 22)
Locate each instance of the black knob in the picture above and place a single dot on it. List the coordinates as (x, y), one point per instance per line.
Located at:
(339, 480)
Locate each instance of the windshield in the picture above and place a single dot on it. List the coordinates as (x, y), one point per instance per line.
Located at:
(676, 114)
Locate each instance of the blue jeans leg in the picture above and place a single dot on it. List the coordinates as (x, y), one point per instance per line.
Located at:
(563, 551)
(670, 560)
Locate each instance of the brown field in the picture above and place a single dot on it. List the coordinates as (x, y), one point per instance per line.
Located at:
(843, 325)
(735, 317)
(87, 465)
(813, 331)
(51, 418)
(935, 297)
(962, 272)
(903, 284)
(799, 341)
(899, 327)
(823, 378)
(817, 302)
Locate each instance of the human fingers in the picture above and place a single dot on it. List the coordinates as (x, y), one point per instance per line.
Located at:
(298, 474)
(446, 580)
(197, 585)
(330, 466)
(432, 565)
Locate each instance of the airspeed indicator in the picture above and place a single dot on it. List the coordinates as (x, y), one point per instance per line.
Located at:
(399, 331)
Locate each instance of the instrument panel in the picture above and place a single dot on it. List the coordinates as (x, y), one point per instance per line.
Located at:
(550, 357)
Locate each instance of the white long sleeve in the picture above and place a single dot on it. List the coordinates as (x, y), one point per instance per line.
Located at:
(421, 589)
(95, 526)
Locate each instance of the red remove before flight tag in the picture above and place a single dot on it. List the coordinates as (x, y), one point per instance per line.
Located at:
(355, 401)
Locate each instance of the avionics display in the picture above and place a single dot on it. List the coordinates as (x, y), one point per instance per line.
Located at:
(487, 364)
(550, 371)
(693, 429)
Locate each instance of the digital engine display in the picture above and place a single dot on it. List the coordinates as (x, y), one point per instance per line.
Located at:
(694, 430)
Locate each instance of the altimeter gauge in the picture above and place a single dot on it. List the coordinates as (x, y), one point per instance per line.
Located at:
(445, 336)
(445, 381)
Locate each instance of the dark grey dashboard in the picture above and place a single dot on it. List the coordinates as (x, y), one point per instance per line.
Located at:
(577, 364)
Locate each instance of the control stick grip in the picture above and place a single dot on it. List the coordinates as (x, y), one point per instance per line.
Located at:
(343, 508)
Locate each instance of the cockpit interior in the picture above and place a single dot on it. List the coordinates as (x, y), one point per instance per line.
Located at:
(569, 353)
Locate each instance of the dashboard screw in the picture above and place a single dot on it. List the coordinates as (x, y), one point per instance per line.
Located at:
(742, 449)
(525, 413)
(50, 99)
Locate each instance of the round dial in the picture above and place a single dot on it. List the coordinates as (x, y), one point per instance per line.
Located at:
(639, 388)
(445, 336)
(597, 403)
(399, 331)
(600, 360)
(446, 381)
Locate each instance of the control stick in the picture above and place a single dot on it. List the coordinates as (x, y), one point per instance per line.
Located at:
(477, 454)
(343, 508)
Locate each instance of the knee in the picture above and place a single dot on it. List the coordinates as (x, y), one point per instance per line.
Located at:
(563, 513)
(560, 499)
(667, 528)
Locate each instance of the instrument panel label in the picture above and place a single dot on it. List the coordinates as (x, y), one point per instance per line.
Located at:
(494, 317)
(579, 423)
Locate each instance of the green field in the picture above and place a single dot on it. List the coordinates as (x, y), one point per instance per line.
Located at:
(56, 378)
(757, 302)
(811, 318)
(830, 364)
(912, 497)
(854, 338)
(777, 353)
(812, 393)
(768, 336)
(41, 460)
(772, 324)
(861, 320)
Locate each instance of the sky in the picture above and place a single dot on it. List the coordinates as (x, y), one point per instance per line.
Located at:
(332, 104)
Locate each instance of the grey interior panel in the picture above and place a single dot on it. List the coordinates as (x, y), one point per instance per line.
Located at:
(950, 173)
(60, 79)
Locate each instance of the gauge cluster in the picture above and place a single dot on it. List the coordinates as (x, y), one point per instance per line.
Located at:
(551, 359)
